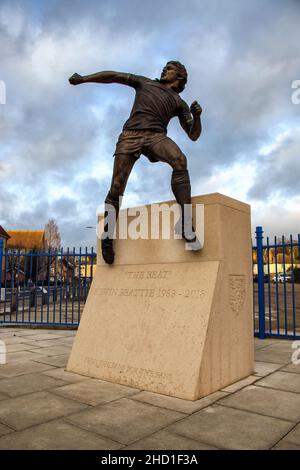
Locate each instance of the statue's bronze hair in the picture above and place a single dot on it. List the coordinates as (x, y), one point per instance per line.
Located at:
(181, 75)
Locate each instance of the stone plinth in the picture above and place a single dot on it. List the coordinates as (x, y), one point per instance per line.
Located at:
(169, 320)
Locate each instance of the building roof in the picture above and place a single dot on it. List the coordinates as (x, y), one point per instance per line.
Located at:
(3, 233)
(29, 239)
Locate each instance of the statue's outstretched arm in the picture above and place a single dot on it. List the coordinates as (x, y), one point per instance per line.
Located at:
(100, 77)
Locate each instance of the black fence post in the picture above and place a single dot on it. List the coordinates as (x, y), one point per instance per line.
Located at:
(261, 283)
(1, 261)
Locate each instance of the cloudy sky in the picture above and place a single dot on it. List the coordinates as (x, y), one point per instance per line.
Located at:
(57, 141)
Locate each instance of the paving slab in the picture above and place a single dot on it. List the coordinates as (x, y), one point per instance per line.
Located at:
(57, 361)
(52, 408)
(228, 428)
(29, 383)
(2, 395)
(56, 435)
(36, 408)
(52, 351)
(19, 347)
(273, 355)
(21, 356)
(164, 440)
(67, 340)
(291, 440)
(125, 420)
(282, 381)
(295, 368)
(240, 384)
(4, 330)
(266, 401)
(40, 336)
(46, 343)
(285, 445)
(177, 404)
(62, 374)
(12, 339)
(27, 331)
(94, 392)
(262, 343)
(265, 368)
(24, 367)
(5, 430)
(280, 345)
(68, 332)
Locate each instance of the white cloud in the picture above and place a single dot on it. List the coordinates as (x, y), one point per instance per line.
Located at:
(275, 143)
(233, 181)
(277, 216)
(279, 167)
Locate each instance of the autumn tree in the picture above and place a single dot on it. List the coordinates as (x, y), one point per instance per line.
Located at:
(52, 234)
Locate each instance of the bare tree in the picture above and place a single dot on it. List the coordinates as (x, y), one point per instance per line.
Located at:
(52, 234)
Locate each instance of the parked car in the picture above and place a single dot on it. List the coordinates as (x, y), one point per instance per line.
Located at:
(280, 277)
(255, 278)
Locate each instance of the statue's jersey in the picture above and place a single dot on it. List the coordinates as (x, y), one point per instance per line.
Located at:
(154, 106)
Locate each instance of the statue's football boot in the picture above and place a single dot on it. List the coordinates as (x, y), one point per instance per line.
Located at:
(107, 250)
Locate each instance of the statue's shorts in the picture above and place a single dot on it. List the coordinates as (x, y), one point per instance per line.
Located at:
(139, 142)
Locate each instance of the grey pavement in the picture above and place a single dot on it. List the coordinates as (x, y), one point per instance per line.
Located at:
(44, 407)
